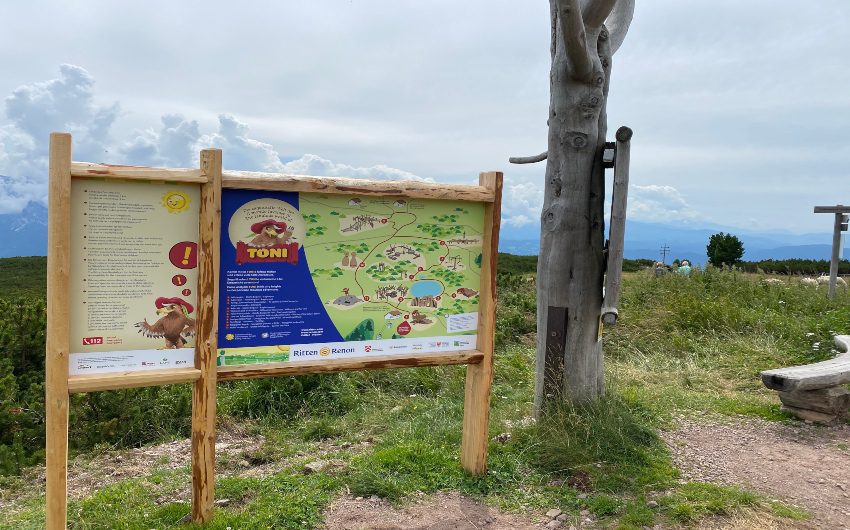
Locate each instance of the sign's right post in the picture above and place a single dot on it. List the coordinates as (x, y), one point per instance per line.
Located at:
(479, 377)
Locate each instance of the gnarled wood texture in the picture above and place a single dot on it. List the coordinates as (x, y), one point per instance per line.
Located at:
(571, 265)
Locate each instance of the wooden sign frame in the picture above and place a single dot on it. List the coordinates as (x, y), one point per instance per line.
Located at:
(205, 374)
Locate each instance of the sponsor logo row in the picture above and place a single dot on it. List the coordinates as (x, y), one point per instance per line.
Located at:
(397, 346)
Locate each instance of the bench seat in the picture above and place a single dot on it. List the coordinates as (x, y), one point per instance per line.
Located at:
(814, 391)
(824, 374)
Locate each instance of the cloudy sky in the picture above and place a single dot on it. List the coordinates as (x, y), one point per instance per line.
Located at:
(741, 110)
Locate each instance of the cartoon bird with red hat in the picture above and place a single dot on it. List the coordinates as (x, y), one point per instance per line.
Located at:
(174, 326)
(269, 233)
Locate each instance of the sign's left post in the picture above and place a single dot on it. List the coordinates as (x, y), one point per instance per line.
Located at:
(58, 329)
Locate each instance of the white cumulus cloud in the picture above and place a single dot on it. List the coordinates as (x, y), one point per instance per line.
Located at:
(521, 204)
(67, 103)
(658, 204)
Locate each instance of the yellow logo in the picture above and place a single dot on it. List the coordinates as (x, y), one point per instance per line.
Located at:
(283, 348)
(229, 336)
(324, 352)
(175, 201)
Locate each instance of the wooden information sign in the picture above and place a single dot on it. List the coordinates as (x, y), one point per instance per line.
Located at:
(160, 276)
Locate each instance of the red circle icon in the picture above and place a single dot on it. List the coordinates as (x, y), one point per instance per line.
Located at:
(411, 276)
(383, 221)
(420, 269)
(366, 298)
(362, 264)
(438, 298)
(442, 258)
(186, 292)
(178, 280)
(403, 328)
(401, 299)
(454, 295)
(184, 255)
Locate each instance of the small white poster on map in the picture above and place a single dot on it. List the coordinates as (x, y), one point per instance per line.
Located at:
(462, 322)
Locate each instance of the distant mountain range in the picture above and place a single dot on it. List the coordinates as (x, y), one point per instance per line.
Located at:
(25, 234)
(644, 240)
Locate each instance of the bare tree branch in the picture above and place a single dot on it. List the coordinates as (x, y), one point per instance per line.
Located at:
(618, 23)
(596, 11)
(575, 39)
(529, 159)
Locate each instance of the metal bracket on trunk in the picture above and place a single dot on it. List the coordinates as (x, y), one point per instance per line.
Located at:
(556, 342)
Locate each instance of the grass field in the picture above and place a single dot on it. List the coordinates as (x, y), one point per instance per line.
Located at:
(686, 346)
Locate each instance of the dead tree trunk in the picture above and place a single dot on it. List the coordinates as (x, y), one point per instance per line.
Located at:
(570, 269)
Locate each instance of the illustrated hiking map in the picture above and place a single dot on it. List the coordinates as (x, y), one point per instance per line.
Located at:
(310, 276)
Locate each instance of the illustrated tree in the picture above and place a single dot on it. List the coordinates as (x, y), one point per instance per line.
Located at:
(584, 36)
(723, 249)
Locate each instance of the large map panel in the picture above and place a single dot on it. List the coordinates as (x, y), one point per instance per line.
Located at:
(311, 276)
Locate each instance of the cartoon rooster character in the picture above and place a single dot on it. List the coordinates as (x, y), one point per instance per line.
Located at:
(269, 233)
(174, 326)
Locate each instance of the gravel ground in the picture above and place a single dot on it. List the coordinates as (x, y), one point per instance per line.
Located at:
(800, 463)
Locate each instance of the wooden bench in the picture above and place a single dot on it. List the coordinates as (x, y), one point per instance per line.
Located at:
(813, 391)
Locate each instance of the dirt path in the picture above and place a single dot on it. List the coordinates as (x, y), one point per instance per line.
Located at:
(445, 511)
(803, 464)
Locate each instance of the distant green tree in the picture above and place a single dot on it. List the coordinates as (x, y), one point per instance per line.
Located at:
(724, 248)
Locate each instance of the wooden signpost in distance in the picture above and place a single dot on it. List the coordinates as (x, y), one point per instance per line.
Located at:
(205, 374)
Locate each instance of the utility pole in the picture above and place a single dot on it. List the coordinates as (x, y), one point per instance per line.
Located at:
(664, 250)
(841, 218)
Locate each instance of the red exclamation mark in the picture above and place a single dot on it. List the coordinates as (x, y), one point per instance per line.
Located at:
(184, 255)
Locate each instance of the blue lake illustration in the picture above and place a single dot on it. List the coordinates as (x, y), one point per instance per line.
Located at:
(426, 288)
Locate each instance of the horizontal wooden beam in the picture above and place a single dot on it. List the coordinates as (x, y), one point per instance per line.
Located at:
(117, 380)
(832, 209)
(251, 180)
(253, 371)
(89, 169)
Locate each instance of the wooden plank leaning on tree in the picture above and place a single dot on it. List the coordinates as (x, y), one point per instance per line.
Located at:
(617, 230)
(58, 330)
(479, 377)
(206, 342)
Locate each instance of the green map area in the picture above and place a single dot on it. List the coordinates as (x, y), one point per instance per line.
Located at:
(380, 262)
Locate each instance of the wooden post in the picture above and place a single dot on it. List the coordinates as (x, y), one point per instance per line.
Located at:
(840, 211)
(206, 344)
(833, 264)
(479, 377)
(617, 230)
(58, 330)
